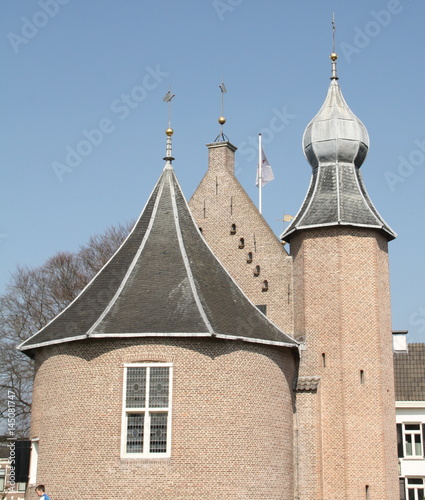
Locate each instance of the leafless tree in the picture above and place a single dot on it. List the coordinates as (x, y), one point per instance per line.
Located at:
(33, 297)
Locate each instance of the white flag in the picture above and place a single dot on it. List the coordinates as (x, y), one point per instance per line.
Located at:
(266, 171)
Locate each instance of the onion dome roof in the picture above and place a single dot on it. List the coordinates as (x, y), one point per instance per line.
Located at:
(335, 144)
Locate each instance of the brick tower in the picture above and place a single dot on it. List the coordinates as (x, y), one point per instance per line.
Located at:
(345, 417)
(162, 380)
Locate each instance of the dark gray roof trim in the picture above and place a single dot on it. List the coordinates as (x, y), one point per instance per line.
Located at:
(163, 281)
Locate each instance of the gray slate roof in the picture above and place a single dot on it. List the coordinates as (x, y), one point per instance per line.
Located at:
(336, 143)
(409, 373)
(163, 281)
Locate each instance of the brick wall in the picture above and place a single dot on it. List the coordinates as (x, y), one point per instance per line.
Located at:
(342, 308)
(231, 421)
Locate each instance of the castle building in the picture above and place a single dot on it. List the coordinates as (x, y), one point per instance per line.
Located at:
(205, 361)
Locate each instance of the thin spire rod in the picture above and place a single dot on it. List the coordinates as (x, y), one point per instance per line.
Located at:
(167, 98)
(223, 91)
(169, 132)
(260, 176)
(222, 119)
(333, 55)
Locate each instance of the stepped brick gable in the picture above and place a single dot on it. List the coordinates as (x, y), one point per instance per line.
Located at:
(241, 238)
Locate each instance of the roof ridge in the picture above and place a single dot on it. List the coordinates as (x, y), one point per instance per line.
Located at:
(186, 261)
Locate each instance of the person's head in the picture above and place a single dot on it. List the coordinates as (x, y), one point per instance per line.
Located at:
(40, 490)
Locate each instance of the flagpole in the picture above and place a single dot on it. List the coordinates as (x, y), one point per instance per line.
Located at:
(260, 174)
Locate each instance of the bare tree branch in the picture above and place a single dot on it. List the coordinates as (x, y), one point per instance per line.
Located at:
(34, 297)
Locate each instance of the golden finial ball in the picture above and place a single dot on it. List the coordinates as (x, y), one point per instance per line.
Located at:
(334, 56)
(169, 132)
(222, 120)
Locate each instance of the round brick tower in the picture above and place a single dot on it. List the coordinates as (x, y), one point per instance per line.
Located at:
(345, 420)
(162, 380)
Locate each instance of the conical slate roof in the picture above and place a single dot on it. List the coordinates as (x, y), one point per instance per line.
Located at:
(163, 281)
(336, 143)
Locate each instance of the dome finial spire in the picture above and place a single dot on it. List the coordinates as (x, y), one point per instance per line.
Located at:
(333, 55)
(169, 132)
(222, 119)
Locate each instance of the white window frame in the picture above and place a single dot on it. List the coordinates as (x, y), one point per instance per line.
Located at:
(33, 462)
(22, 487)
(412, 433)
(147, 412)
(2, 480)
(414, 487)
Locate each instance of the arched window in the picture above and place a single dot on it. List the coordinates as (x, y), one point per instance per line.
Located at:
(257, 271)
(265, 286)
(249, 258)
(242, 243)
(233, 229)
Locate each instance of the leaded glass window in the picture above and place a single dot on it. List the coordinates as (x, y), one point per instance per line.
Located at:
(147, 410)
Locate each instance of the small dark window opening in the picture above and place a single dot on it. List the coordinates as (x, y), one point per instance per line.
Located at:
(262, 308)
(362, 377)
(249, 258)
(257, 271)
(367, 492)
(323, 360)
(265, 286)
(200, 229)
(233, 229)
(242, 243)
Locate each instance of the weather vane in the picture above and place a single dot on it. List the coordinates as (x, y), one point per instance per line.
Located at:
(222, 120)
(167, 98)
(169, 132)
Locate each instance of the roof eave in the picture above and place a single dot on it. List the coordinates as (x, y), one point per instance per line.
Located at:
(290, 232)
(30, 348)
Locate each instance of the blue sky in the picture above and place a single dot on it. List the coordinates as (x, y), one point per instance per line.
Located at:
(89, 77)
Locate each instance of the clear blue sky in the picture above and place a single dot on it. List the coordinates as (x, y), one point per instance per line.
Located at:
(69, 66)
